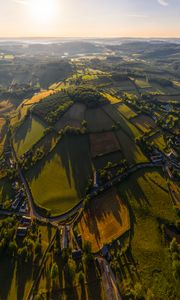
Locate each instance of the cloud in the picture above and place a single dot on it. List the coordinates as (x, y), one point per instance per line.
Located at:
(163, 2)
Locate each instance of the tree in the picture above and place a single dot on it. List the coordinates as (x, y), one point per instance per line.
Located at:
(23, 253)
(150, 295)
(138, 291)
(37, 247)
(176, 269)
(173, 245)
(12, 248)
(70, 270)
(84, 123)
(54, 272)
(81, 277)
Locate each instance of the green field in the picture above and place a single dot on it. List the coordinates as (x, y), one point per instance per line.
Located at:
(111, 98)
(17, 278)
(142, 84)
(130, 150)
(144, 123)
(73, 117)
(118, 118)
(101, 161)
(5, 190)
(126, 111)
(146, 194)
(159, 141)
(58, 182)
(3, 129)
(124, 85)
(98, 120)
(28, 134)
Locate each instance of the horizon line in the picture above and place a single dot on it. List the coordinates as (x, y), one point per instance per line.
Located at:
(90, 37)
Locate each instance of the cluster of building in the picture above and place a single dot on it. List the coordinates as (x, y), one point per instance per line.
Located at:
(19, 203)
(25, 224)
(156, 156)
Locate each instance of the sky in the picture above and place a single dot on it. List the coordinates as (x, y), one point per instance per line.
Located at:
(90, 18)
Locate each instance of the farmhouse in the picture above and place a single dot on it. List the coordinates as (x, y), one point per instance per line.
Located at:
(26, 221)
(21, 231)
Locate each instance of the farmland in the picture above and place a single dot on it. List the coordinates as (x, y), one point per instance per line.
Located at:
(104, 220)
(118, 118)
(19, 277)
(131, 151)
(144, 123)
(112, 99)
(142, 84)
(55, 182)
(38, 97)
(5, 190)
(28, 134)
(98, 120)
(101, 161)
(141, 192)
(73, 117)
(126, 111)
(103, 143)
(158, 140)
(92, 159)
(2, 133)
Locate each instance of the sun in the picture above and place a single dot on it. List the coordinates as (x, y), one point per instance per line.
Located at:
(43, 10)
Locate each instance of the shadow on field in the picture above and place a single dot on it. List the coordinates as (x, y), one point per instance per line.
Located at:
(24, 273)
(6, 190)
(160, 186)
(107, 209)
(22, 131)
(94, 286)
(75, 159)
(132, 190)
(6, 277)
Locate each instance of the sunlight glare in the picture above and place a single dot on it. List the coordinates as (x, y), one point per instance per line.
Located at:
(43, 10)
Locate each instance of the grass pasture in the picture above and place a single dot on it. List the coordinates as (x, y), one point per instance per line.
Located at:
(103, 143)
(126, 111)
(130, 150)
(158, 140)
(124, 85)
(38, 97)
(118, 118)
(2, 133)
(142, 84)
(59, 181)
(101, 161)
(20, 113)
(144, 123)
(104, 220)
(28, 134)
(5, 190)
(16, 278)
(170, 98)
(146, 194)
(98, 120)
(5, 106)
(73, 117)
(111, 98)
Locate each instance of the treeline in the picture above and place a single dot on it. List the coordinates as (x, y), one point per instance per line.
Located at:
(18, 94)
(88, 96)
(52, 107)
